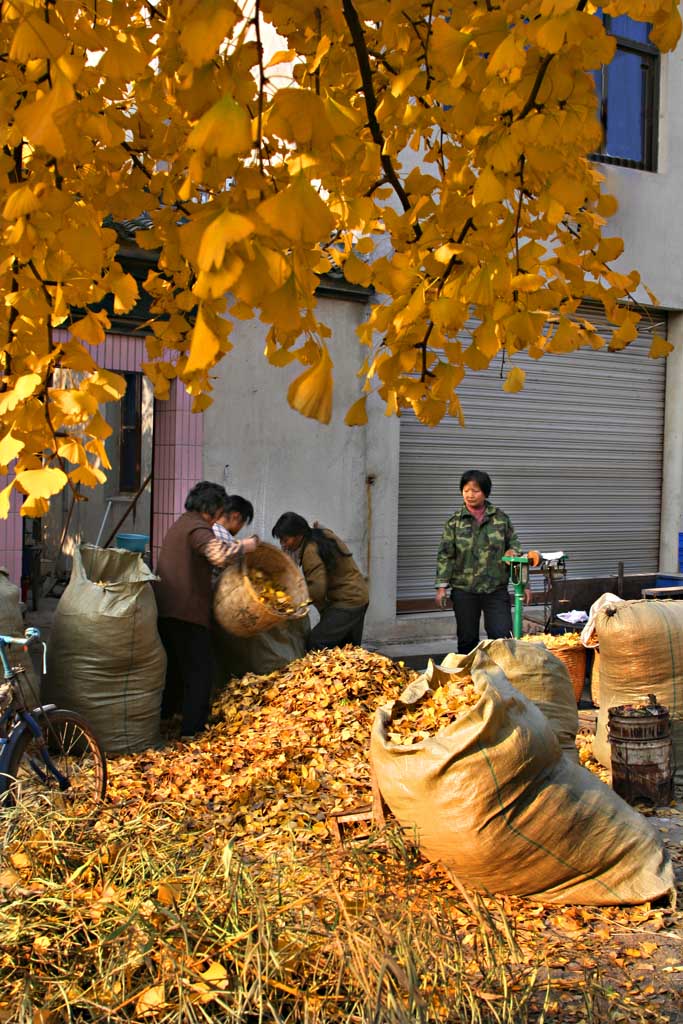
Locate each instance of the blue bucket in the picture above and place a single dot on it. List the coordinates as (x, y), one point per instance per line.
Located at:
(132, 541)
(680, 552)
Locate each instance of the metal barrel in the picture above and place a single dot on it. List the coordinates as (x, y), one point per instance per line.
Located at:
(641, 750)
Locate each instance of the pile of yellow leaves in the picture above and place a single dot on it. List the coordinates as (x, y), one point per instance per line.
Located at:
(446, 705)
(284, 752)
(555, 643)
(269, 594)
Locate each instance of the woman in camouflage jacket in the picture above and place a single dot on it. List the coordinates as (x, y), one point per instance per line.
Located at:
(469, 562)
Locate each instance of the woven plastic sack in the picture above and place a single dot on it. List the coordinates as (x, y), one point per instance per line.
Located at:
(493, 798)
(12, 624)
(641, 652)
(263, 653)
(539, 675)
(105, 657)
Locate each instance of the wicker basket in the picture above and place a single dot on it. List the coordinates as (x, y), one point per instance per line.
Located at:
(574, 660)
(237, 607)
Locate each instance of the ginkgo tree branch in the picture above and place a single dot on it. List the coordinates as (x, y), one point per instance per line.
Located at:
(362, 57)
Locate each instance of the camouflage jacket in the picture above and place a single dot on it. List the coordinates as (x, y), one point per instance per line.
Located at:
(470, 553)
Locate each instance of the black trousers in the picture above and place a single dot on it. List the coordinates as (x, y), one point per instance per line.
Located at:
(468, 608)
(337, 626)
(189, 673)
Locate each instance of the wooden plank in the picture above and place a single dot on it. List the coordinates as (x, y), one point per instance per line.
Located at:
(662, 593)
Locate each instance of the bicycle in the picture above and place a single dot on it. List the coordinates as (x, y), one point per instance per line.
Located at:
(48, 755)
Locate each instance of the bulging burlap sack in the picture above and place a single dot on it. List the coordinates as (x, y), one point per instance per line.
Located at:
(493, 797)
(12, 624)
(105, 658)
(540, 676)
(263, 653)
(641, 652)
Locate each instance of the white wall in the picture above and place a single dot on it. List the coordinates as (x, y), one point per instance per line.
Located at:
(650, 215)
(344, 477)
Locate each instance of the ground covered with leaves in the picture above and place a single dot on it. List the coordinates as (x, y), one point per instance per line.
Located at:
(210, 889)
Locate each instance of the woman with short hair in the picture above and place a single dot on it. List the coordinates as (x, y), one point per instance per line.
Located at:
(336, 585)
(189, 552)
(469, 562)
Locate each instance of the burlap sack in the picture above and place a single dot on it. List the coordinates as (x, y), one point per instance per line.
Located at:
(539, 675)
(641, 652)
(493, 797)
(105, 658)
(12, 624)
(263, 653)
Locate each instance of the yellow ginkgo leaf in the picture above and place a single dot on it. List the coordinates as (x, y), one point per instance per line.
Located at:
(37, 39)
(488, 188)
(99, 428)
(514, 380)
(122, 59)
(150, 999)
(89, 476)
(71, 450)
(5, 498)
(9, 449)
(311, 392)
(225, 129)
(215, 972)
(660, 347)
(298, 213)
(75, 406)
(222, 232)
(90, 329)
(124, 288)
(357, 415)
(20, 202)
(201, 402)
(204, 346)
(210, 23)
(105, 385)
(38, 120)
(35, 507)
(23, 389)
(75, 357)
(41, 483)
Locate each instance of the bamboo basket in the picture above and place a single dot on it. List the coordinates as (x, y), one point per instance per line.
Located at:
(574, 660)
(236, 605)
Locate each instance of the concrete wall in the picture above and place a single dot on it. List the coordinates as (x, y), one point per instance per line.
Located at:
(344, 477)
(650, 215)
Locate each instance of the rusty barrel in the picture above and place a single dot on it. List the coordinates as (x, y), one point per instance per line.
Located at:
(642, 761)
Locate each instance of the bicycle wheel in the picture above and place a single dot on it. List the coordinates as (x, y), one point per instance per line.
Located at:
(71, 778)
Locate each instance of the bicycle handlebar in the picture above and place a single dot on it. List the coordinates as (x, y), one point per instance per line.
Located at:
(31, 636)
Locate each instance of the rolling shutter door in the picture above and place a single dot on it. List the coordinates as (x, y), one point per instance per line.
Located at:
(575, 459)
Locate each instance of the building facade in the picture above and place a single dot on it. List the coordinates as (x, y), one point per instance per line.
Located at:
(587, 459)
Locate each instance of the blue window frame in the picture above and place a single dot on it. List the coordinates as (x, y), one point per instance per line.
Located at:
(628, 95)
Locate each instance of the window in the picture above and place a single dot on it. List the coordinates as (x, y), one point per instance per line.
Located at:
(131, 433)
(628, 91)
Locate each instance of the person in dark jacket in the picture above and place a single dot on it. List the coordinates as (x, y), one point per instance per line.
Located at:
(336, 585)
(469, 563)
(189, 553)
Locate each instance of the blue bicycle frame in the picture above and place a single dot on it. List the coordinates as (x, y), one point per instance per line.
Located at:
(14, 722)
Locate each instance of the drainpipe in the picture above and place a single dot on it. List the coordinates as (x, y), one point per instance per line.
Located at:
(369, 481)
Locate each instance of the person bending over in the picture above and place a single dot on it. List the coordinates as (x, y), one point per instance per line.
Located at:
(336, 585)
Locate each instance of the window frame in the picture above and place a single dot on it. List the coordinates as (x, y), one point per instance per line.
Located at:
(651, 66)
(126, 430)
